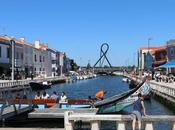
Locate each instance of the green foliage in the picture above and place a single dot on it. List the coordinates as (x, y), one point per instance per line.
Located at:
(88, 66)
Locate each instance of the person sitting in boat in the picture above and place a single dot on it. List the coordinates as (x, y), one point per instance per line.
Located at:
(138, 111)
(63, 97)
(54, 95)
(18, 96)
(100, 95)
(45, 95)
(38, 96)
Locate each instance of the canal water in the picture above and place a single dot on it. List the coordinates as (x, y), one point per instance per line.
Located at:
(113, 85)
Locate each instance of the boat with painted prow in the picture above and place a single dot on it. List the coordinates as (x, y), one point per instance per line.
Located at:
(109, 105)
(121, 101)
(112, 104)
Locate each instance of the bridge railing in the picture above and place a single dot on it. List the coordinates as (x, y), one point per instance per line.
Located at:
(121, 120)
(13, 83)
(10, 83)
(166, 90)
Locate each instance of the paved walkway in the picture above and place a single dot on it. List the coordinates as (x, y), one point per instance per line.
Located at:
(170, 85)
(31, 128)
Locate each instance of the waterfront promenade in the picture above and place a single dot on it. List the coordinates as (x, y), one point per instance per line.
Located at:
(32, 128)
(10, 83)
(165, 90)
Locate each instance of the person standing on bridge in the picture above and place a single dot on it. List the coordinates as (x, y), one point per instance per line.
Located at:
(138, 111)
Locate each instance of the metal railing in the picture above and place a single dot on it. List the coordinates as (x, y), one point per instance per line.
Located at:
(26, 82)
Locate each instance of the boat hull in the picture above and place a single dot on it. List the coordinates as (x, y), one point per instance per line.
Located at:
(39, 86)
(119, 102)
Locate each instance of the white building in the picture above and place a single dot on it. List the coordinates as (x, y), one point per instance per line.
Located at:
(60, 62)
(5, 56)
(42, 60)
(30, 58)
(19, 56)
(54, 61)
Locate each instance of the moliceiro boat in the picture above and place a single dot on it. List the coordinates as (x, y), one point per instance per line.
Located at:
(119, 102)
(109, 105)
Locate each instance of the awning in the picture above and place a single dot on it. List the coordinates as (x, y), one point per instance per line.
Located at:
(169, 64)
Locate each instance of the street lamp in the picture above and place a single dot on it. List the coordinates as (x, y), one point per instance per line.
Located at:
(13, 58)
(149, 39)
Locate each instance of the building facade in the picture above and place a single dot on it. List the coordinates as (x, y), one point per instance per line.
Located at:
(154, 57)
(60, 62)
(171, 54)
(36, 59)
(54, 62)
(5, 56)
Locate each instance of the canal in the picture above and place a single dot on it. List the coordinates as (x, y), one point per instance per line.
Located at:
(113, 85)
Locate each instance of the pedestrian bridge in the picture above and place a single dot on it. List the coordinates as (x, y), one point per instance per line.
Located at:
(106, 70)
(121, 120)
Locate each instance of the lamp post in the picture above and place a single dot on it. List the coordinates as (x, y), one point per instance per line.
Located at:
(149, 39)
(13, 58)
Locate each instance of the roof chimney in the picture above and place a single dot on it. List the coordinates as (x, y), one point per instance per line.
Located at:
(22, 39)
(37, 44)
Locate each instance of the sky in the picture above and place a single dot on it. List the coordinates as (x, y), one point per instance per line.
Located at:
(80, 27)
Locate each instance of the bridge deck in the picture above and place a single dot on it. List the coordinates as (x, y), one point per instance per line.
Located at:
(59, 113)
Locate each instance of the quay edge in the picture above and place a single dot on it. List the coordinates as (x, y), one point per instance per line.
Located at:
(162, 92)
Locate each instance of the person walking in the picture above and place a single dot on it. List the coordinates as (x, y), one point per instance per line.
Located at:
(138, 111)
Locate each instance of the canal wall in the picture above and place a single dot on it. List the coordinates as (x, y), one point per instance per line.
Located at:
(161, 91)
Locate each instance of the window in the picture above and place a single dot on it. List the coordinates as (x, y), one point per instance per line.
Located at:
(22, 56)
(53, 61)
(8, 52)
(35, 58)
(40, 59)
(17, 55)
(0, 51)
(43, 58)
(171, 51)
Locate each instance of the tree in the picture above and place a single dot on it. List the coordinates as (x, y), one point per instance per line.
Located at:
(88, 66)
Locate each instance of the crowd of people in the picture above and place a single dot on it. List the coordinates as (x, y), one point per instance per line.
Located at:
(54, 95)
(164, 78)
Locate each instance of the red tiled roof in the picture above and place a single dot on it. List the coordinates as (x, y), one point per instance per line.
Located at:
(4, 38)
(153, 48)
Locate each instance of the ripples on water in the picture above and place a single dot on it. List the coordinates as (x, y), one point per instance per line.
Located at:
(113, 85)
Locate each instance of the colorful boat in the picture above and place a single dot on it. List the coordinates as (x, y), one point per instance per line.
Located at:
(76, 103)
(119, 102)
(112, 104)
(109, 105)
